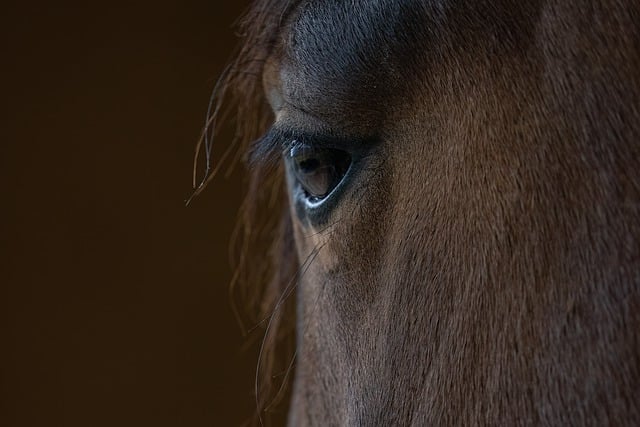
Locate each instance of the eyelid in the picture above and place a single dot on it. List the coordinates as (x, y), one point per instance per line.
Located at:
(289, 138)
(299, 148)
(278, 140)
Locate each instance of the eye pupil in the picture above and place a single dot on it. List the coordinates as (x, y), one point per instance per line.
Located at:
(309, 165)
(319, 170)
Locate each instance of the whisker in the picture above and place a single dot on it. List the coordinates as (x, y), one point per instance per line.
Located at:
(222, 81)
(286, 293)
(283, 384)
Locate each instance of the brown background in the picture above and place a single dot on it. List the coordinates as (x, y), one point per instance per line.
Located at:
(115, 310)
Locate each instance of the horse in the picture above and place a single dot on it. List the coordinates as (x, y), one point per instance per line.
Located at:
(442, 223)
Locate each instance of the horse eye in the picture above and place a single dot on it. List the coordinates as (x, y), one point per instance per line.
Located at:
(318, 170)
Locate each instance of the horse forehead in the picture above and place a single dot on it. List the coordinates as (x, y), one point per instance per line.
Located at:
(349, 62)
(340, 57)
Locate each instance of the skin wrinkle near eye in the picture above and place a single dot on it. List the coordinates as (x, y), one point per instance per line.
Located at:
(292, 116)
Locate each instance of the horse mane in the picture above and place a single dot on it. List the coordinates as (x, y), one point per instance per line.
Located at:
(263, 249)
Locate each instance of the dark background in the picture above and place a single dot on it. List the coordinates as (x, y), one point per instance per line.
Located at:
(115, 307)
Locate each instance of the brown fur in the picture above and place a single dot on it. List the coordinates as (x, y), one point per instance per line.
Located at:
(485, 267)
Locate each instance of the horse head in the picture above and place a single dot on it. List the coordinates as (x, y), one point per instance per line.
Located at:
(454, 199)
